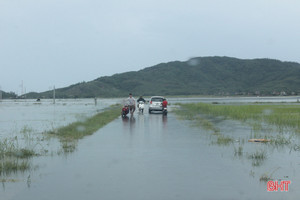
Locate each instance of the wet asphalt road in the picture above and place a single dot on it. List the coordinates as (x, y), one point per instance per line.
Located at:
(147, 157)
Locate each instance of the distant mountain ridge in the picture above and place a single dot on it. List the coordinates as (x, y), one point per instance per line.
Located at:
(7, 95)
(197, 76)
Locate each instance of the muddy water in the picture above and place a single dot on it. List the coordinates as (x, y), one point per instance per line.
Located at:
(153, 157)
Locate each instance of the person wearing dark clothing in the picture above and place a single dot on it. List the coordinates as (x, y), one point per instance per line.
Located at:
(141, 99)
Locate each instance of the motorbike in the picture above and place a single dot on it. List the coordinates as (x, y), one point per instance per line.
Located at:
(125, 111)
(141, 106)
(165, 111)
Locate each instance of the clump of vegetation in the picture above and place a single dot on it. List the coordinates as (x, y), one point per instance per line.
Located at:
(13, 166)
(26, 129)
(257, 157)
(9, 148)
(11, 180)
(223, 140)
(68, 146)
(268, 176)
(24, 153)
(280, 140)
(238, 151)
(265, 178)
(13, 158)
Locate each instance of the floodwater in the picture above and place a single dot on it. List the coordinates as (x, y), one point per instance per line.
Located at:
(275, 99)
(149, 156)
(16, 115)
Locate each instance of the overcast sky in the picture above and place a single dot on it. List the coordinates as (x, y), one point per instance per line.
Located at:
(62, 42)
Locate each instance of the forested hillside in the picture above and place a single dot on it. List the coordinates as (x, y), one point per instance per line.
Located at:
(7, 95)
(198, 76)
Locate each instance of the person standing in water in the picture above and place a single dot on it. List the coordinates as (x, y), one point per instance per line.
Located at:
(131, 103)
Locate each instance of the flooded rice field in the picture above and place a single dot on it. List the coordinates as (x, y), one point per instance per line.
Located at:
(18, 115)
(149, 156)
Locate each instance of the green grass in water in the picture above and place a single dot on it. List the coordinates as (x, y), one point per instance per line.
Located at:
(78, 130)
(13, 166)
(281, 116)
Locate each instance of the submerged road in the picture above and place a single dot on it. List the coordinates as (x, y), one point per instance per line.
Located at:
(147, 157)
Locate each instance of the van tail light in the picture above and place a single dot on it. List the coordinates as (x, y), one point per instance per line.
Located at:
(150, 102)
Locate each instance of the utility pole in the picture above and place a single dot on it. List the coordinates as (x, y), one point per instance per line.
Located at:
(22, 89)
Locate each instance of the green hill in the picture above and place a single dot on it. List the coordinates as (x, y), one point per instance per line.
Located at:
(7, 95)
(198, 76)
